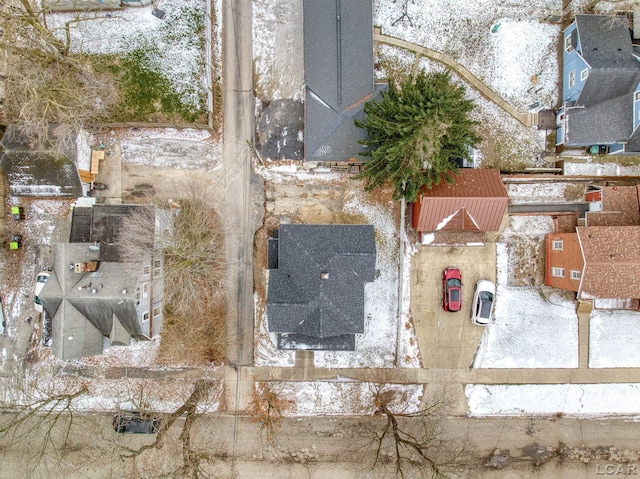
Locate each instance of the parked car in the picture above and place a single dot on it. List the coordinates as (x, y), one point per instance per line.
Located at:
(451, 289)
(134, 422)
(483, 300)
(41, 279)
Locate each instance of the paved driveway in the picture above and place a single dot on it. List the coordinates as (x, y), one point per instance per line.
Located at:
(448, 340)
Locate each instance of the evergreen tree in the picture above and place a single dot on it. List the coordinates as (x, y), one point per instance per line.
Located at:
(416, 131)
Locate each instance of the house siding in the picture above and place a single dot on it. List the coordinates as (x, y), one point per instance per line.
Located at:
(572, 62)
(569, 258)
(636, 108)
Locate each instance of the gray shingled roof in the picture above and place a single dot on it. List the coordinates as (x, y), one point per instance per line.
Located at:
(338, 66)
(78, 312)
(317, 287)
(605, 113)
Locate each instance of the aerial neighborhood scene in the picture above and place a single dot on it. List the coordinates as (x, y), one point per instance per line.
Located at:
(320, 239)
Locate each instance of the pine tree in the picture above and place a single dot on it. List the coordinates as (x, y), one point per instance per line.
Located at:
(416, 131)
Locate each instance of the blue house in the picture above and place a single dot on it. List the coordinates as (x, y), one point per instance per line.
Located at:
(600, 86)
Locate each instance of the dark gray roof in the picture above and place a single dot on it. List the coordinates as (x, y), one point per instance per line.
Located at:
(338, 65)
(604, 112)
(41, 174)
(280, 130)
(606, 122)
(605, 41)
(103, 224)
(317, 289)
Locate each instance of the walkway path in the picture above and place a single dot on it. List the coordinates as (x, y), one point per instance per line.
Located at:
(304, 371)
(527, 119)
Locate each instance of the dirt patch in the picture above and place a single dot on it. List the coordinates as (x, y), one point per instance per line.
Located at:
(526, 255)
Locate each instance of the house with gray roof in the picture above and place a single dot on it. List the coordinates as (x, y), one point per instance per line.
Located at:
(338, 73)
(38, 173)
(94, 297)
(315, 293)
(600, 86)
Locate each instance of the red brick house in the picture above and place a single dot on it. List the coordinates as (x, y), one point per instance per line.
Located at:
(474, 203)
(600, 261)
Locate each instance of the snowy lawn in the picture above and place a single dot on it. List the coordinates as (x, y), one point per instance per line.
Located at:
(170, 148)
(533, 327)
(173, 47)
(549, 399)
(377, 346)
(599, 169)
(614, 339)
(518, 61)
(343, 397)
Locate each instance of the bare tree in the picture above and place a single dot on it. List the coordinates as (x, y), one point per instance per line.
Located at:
(50, 92)
(38, 416)
(414, 441)
(620, 4)
(192, 251)
(268, 408)
(195, 462)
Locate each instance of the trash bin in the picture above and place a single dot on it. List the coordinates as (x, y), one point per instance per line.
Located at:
(16, 242)
(17, 212)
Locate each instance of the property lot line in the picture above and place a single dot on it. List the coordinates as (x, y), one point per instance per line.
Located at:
(527, 119)
(388, 375)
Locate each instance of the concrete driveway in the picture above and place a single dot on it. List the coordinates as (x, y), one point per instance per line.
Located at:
(448, 340)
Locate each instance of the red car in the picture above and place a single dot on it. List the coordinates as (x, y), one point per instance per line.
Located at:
(451, 289)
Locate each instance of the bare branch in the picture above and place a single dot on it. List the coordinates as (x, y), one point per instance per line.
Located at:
(416, 438)
(267, 408)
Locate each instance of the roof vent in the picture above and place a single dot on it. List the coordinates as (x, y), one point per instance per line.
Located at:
(324, 275)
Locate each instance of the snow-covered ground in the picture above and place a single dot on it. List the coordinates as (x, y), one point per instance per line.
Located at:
(343, 397)
(536, 193)
(551, 399)
(170, 148)
(518, 61)
(614, 339)
(600, 169)
(377, 346)
(532, 328)
(170, 44)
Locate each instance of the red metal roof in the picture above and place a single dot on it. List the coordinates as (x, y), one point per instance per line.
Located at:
(477, 195)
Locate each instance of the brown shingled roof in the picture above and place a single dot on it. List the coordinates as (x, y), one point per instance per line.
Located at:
(619, 207)
(612, 261)
(477, 199)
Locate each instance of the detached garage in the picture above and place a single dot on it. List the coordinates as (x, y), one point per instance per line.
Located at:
(461, 211)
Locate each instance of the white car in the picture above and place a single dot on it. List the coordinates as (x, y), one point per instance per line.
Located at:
(42, 278)
(483, 300)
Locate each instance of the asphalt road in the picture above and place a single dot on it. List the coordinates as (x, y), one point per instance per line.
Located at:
(339, 447)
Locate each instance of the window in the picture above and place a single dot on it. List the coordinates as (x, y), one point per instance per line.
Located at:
(572, 78)
(584, 74)
(156, 312)
(145, 317)
(567, 44)
(575, 274)
(145, 290)
(558, 272)
(146, 269)
(157, 267)
(556, 245)
(137, 296)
